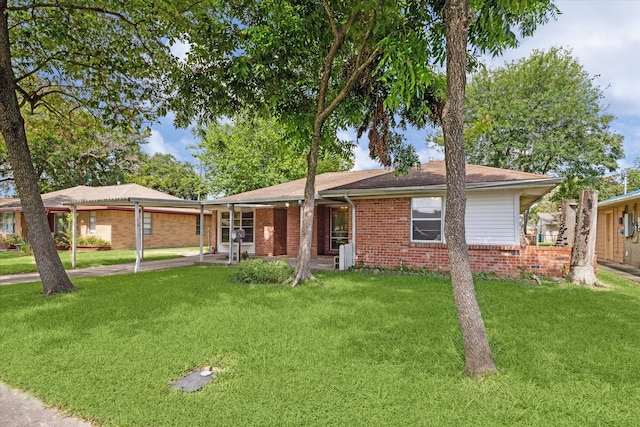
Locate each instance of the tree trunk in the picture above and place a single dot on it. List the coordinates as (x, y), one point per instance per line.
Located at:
(567, 229)
(584, 248)
(54, 278)
(478, 357)
(303, 266)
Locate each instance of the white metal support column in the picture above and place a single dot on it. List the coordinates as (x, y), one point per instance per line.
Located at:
(231, 225)
(74, 235)
(202, 228)
(353, 225)
(138, 231)
(142, 233)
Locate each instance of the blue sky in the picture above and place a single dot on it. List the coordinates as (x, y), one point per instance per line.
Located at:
(603, 35)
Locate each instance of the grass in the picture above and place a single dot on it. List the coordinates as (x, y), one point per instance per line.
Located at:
(350, 349)
(15, 262)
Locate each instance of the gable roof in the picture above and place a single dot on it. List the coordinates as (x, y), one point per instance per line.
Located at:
(114, 195)
(430, 176)
(294, 190)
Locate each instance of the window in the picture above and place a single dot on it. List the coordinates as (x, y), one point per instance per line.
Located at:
(147, 224)
(426, 219)
(242, 220)
(60, 223)
(197, 225)
(339, 227)
(92, 222)
(8, 223)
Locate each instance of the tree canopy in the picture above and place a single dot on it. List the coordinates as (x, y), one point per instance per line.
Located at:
(163, 172)
(66, 153)
(250, 152)
(543, 114)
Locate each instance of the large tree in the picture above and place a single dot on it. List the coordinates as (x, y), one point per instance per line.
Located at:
(104, 57)
(297, 60)
(249, 152)
(163, 172)
(81, 151)
(542, 114)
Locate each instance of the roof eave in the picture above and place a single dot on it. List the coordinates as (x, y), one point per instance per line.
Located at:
(544, 182)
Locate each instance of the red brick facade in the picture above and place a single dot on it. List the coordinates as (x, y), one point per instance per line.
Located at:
(383, 240)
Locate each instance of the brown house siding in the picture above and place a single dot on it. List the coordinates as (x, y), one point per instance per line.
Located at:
(625, 250)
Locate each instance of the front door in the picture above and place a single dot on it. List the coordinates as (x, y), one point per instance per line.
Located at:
(608, 235)
(339, 227)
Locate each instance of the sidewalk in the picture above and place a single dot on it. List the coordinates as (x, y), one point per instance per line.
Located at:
(629, 272)
(109, 270)
(325, 264)
(19, 409)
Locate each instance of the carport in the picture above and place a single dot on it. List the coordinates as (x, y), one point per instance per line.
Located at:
(138, 204)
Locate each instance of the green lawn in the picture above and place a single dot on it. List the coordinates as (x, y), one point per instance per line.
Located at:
(15, 262)
(349, 350)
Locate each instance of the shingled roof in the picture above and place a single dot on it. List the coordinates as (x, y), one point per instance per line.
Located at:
(430, 176)
(115, 195)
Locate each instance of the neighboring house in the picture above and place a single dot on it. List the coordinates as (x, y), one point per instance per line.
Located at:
(108, 212)
(548, 228)
(397, 221)
(617, 233)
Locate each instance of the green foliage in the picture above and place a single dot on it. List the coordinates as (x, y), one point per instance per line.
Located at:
(92, 241)
(75, 151)
(377, 350)
(163, 172)
(251, 152)
(107, 58)
(10, 239)
(259, 271)
(541, 114)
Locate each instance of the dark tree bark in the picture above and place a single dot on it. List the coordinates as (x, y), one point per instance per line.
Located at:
(584, 248)
(567, 229)
(54, 278)
(478, 356)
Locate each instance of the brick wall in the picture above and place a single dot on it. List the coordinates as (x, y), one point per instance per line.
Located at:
(264, 232)
(293, 231)
(167, 230)
(383, 239)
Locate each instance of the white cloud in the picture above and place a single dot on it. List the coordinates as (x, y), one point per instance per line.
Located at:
(157, 144)
(363, 161)
(180, 49)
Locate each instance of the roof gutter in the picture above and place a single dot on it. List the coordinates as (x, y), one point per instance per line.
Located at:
(442, 188)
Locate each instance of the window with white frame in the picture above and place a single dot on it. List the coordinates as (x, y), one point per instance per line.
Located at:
(197, 225)
(8, 223)
(242, 220)
(147, 224)
(92, 222)
(426, 219)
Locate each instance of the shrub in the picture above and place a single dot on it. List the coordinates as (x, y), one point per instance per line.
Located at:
(260, 271)
(10, 239)
(92, 241)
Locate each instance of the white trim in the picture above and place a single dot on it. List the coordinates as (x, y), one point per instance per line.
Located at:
(516, 218)
(223, 247)
(442, 205)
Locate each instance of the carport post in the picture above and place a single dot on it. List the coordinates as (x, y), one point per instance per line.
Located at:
(137, 232)
(74, 235)
(231, 224)
(201, 232)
